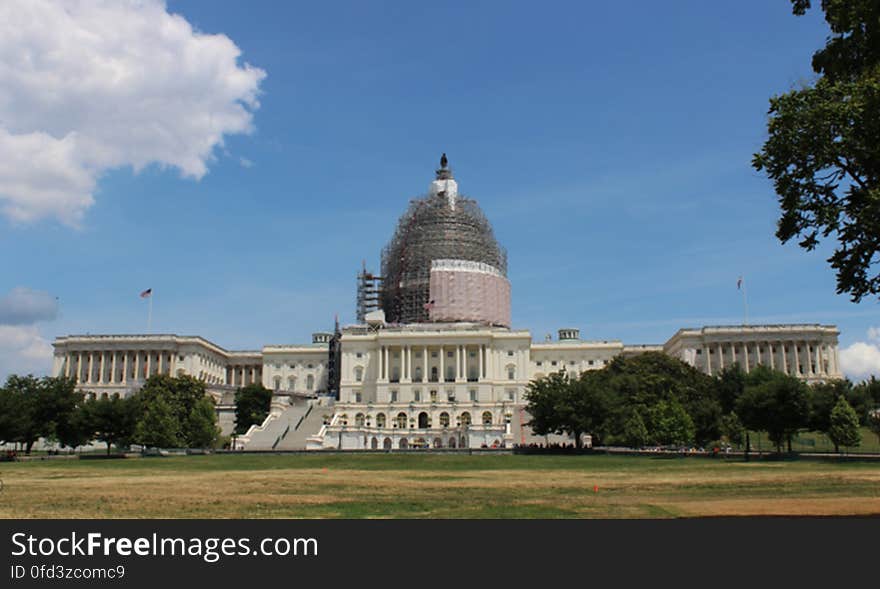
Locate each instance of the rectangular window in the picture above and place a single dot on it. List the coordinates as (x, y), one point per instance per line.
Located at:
(540, 363)
(511, 395)
(553, 363)
(473, 394)
(394, 396)
(417, 396)
(510, 352)
(357, 397)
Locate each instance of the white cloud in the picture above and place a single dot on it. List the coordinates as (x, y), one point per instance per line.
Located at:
(861, 359)
(23, 350)
(91, 85)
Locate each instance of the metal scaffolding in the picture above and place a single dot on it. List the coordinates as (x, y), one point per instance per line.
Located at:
(369, 292)
(439, 226)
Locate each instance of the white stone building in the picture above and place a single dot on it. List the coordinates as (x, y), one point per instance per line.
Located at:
(448, 371)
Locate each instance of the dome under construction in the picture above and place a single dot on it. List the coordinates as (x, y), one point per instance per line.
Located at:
(443, 263)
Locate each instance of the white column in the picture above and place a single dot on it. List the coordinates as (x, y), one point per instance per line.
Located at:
(772, 359)
(836, 361)
(480, 351)
(387, 363)
(746, 356)
(79, 363)
(425, 364)
(820, 367)
(797, 363)
(464, 361)
(720, 351)
(113, 367)
(90, 367)
(442, 364)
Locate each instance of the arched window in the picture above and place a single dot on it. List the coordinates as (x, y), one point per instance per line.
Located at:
(444, 419)
(359, 373)
(452, 442)
(401, 420)
(374, 444)
(487, 418)
(386, 444)
(438, 443)
(359, 420)
(310, 382)
(465, 419)
(380, 420)
(402, 444)
(423, 420)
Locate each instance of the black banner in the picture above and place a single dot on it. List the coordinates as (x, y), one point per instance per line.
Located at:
(285, 553)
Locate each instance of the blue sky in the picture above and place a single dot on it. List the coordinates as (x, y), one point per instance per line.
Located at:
(608, 143)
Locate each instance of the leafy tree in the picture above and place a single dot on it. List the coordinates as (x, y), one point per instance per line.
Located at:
(642, 382)
(668, 423)
(173, 412)
(844, 429)
(731, 384)
(110, 420)
(634, 433)
(11, 416)
(823, 148)
(774, 403)
(732, 428)
(555, 407)
(75, 430)
(158, 426)
(40, 405)
(200, 429)
(252, 404)
(870, 389)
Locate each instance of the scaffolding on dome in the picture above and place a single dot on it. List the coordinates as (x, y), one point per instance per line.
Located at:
(439, 226)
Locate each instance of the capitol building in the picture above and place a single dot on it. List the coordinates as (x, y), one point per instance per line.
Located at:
(432, 361)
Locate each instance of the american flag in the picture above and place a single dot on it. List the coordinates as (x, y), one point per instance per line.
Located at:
(146, 293)
(739, 283)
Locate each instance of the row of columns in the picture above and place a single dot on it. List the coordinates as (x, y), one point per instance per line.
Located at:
(405, 365)
(115, 367)
(813, 357)
(242, 375)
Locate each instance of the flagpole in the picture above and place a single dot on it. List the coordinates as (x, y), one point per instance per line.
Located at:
(150, 314)
(745, 305)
